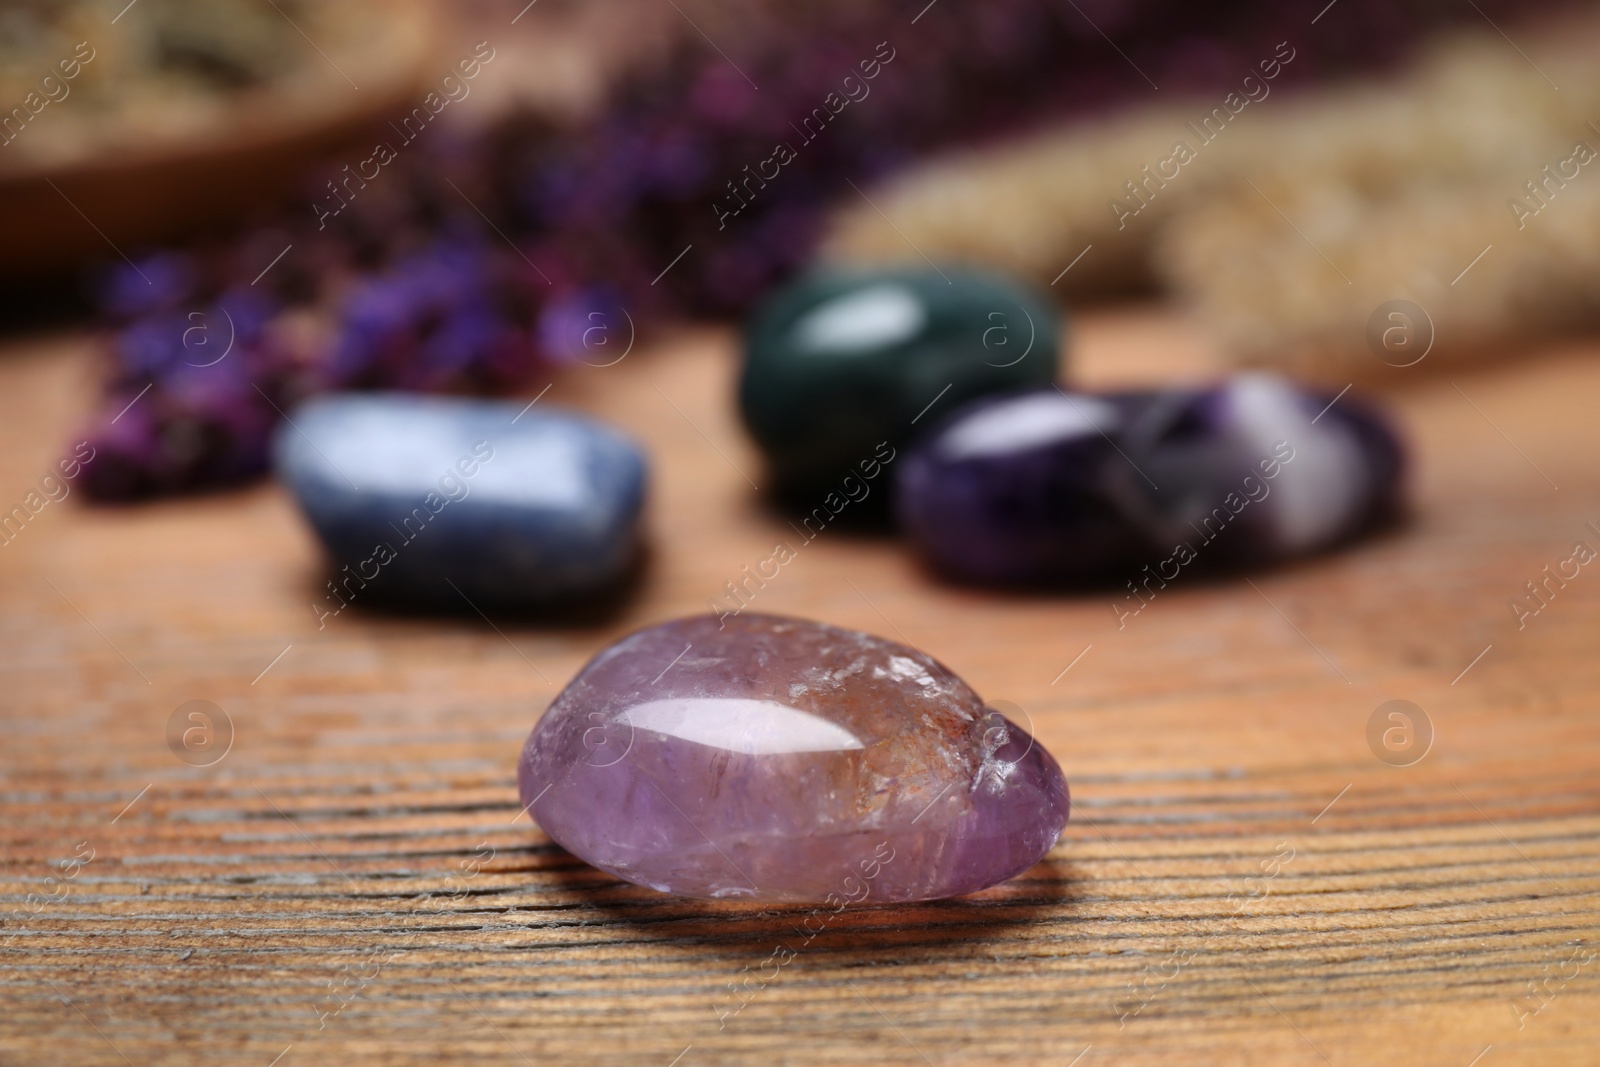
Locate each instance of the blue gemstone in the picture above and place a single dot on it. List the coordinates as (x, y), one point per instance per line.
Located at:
(440, 502)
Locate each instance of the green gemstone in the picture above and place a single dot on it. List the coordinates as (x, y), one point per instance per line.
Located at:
(839, 362)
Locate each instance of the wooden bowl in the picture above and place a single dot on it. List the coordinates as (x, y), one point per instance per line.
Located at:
(112, 186)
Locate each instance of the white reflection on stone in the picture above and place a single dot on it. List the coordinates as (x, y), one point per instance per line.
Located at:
(738, 724)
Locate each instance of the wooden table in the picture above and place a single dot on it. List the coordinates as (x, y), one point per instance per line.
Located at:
(1243, 879)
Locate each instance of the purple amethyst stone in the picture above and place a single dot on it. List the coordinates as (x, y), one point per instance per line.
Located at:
(1257, 469)
(1048, 487)
(1023, 488)
(776, 759)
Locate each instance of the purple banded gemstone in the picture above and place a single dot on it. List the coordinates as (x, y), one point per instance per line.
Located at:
(777, 759)
(1257, 469)
(1024, 488)
(1047, 486)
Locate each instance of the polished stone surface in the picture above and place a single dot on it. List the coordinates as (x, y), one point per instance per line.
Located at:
(1047, 486)
(429, 501)
(775, 759)
(1257, 469)
(841, 361)
(1025, 488)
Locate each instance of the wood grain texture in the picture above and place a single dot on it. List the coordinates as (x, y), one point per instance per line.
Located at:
(1242, 880)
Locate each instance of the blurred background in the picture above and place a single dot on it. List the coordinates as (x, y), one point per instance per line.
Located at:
(393, 193)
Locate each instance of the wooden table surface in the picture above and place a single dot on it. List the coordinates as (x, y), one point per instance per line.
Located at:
(1243, 879)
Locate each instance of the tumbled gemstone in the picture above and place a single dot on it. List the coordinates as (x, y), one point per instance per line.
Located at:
(1021, 489)
(1257, 469)
(1047, 486)
(776, 759)
(432, 501)
(840, 362)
